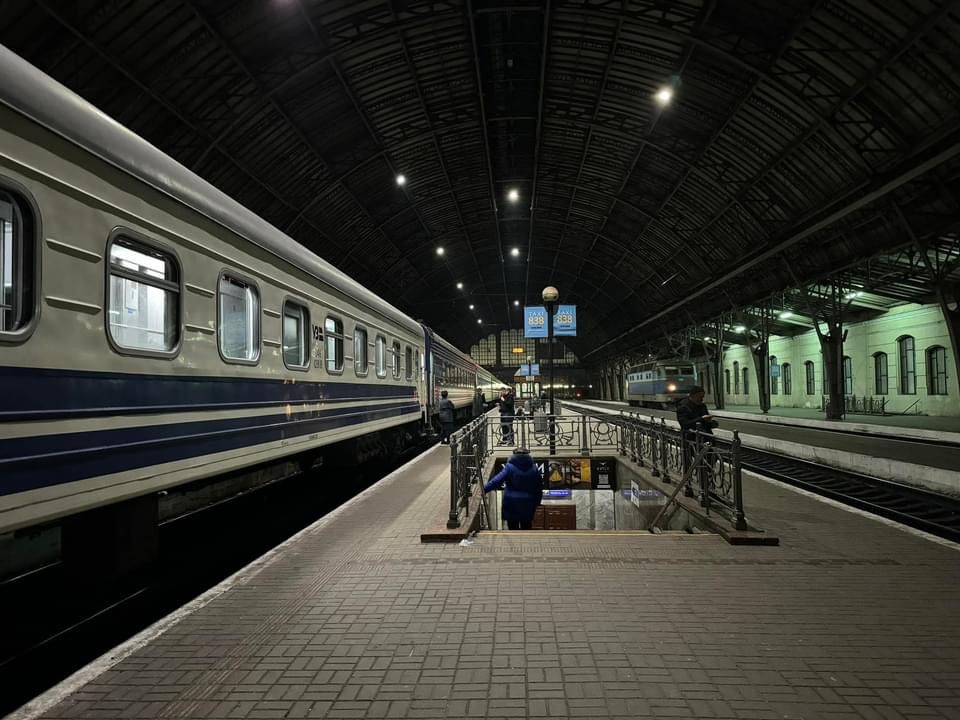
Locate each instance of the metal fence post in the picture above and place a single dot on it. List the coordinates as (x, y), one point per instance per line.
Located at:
(741, 520)
(664, 458)
(654, 439)
(453, 520)
(585, 439)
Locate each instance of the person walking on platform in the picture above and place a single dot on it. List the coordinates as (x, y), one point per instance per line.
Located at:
(507, 411)
(445, 412)
(524, 489)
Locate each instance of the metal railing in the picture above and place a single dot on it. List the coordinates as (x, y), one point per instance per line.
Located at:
(863, 405)
(716, 476)
(649, 443)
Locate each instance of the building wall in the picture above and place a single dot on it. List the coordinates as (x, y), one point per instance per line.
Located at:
(923, 322)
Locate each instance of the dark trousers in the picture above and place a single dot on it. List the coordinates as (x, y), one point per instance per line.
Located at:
(520, 524)
(506, 429)
(445, 429)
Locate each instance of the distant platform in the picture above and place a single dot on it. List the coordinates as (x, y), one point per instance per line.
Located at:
(354, 617)
(921, 422)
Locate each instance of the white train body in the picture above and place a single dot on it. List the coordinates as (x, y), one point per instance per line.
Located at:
(160, 333)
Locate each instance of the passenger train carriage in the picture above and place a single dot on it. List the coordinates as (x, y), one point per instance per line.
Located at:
(660, 383)
(154, 332)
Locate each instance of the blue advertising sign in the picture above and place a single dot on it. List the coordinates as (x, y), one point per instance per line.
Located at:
(528, 370)
(565, 320)
(534, 322)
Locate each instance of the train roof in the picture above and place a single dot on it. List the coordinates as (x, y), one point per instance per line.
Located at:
(31, 92)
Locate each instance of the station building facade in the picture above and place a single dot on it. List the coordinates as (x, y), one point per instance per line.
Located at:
(903, 357)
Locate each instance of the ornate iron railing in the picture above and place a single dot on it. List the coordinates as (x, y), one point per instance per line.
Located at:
(715, 479)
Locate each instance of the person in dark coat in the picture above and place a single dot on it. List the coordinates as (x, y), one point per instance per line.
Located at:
(507, 411)
(524, 489)
(693, 416)
(445, 412)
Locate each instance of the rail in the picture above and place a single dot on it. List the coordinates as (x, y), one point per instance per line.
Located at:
(716, 470)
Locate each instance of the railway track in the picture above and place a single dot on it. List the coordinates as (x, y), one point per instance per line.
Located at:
(932, 512)
(920, 508)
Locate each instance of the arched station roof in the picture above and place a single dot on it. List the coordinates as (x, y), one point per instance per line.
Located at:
(801, 135)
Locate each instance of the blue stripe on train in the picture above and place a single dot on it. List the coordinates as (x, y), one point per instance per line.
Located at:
(53, 459)
(33, 394)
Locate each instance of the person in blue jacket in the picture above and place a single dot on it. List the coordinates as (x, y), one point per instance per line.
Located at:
(524, 489)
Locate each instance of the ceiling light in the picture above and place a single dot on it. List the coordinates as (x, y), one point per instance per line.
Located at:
(459, 286)
(515, 252)
(401, 180)
(516, 303)
(513, 195)
(439, 251)
(664, 96)
(471, 307)
(479, 321)
(740, 329)
(852, 295)
(785, 314)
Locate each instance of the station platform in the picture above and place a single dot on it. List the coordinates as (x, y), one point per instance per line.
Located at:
(921, 422)
(849, 617)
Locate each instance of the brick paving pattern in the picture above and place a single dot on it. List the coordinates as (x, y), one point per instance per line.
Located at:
(849, 618)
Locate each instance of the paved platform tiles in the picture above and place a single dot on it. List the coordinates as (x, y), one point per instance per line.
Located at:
(849, 618)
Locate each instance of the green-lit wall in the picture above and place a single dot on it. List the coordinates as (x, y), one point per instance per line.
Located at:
(923, 322)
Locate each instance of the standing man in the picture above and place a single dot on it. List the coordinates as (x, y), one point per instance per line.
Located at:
(507, 410)
(445, 411)
(693, 416)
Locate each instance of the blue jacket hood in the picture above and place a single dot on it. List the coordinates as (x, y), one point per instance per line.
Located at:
(521, 461)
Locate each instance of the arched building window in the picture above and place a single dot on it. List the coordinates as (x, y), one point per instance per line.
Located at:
(847, 375)
(774, 376)
(726, 378)
(936, 370)
(746, 381)
(736, 378)
(811, 381)
(908, 365)
(785, 373)
(881, 385)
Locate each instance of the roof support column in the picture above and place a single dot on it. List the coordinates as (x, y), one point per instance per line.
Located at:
(948, 294)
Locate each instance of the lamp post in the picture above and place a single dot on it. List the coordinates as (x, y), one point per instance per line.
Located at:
(550, 296)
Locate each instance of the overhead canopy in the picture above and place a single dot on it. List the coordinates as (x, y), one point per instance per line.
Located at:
(799, 134)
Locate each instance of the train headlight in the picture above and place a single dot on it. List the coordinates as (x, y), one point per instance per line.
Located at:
(671, 388)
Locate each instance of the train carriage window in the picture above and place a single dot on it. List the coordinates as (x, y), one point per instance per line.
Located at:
(381, 359)
(144, 305)
(239, 323)
(333, 333)
(296, 343)
(395, 352)
(408, 362)
(361, 364)
(17, 268)
(416, 365)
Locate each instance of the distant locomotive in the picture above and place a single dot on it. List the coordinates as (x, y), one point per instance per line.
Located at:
(660, 383)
